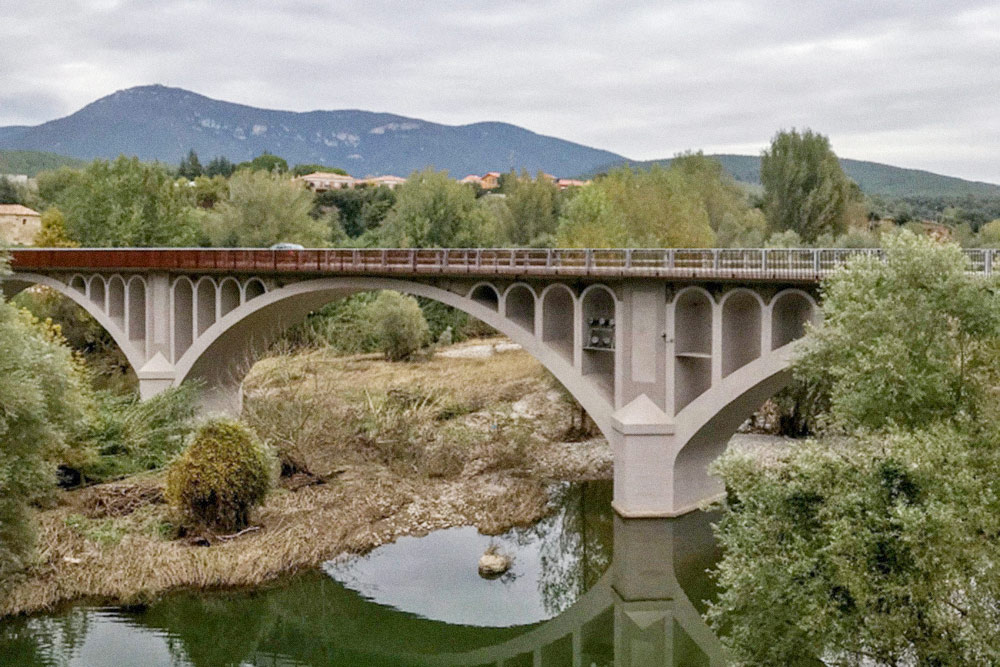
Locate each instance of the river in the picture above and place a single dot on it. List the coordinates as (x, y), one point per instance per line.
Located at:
(586, 588)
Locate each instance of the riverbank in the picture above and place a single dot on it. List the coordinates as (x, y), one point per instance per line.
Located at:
(370, 451)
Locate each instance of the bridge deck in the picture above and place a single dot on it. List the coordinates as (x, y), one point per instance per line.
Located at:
(746, 264)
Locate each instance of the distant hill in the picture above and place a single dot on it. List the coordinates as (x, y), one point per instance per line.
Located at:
(872, 177)
(32, 162)
(161, 123)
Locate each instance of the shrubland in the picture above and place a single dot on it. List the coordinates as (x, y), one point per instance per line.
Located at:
(877, 542)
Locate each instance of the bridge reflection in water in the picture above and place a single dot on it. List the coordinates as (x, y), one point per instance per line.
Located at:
(643, 610)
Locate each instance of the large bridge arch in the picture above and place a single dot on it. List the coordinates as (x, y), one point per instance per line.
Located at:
(222, 354)
(103, 312)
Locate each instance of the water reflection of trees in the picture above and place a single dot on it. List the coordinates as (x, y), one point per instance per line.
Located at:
(577, 547)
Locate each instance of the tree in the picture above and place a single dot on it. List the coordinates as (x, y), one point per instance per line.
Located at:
(358, 210)
(263, 209)
(657, 208)
(44, 398)
(399, 324)
(220, 166)
(266, 162)
(190, 167)
(303, 169)
(533, 206)
(220, 477)
(9, 192)
(876, 545)
(805, 188)
(590, 221)
(432, 211)
(121, 203)
(53, 231)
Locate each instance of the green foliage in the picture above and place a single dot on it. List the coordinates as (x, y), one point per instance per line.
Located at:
(263, 209)
(358, 210)
(644, 209)
(220, 477)
(399, 325)
(876, 545)
(432, 211)
(303, 169)
(10, 193)
(209, 191)
(533, 206)
(121, 203)
(220, 166)
(190, 167)
(266, 162)
(30, 163)
(133, 436)
(53, 232)
(876, 551)
(43, 399)
(805, 188)
(908, 341)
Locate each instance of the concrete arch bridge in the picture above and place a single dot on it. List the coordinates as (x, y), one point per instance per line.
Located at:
(667, 350)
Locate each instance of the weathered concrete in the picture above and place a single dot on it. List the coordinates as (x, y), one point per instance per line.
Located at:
(667, 369)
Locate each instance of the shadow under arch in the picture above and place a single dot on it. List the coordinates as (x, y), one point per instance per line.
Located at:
(222, 355)
(13, 286)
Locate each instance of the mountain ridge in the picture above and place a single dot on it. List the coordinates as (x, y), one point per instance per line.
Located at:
(162, 123)
(157, 122)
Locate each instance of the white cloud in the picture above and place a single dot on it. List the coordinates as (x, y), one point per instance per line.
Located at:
(902, 81)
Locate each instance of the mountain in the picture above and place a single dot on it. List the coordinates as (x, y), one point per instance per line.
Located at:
(32, 162)
(161, 123)
(873, 178)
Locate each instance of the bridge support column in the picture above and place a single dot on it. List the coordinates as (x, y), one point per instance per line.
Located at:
(643, 448)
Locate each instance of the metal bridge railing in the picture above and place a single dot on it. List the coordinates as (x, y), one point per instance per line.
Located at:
(795, 264)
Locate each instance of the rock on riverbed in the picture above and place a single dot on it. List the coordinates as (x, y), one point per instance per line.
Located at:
(492, 563)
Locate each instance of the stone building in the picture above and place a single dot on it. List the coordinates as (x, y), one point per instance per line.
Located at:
(18, 224)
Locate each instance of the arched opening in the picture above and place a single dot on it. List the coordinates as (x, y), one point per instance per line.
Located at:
(789, 314)
(97, 291)
(206, 304)
(183, 303)
(692, 346)
(116, 300)
(598, 309)
(78, 283)
(254, 289)
(558, 306)
(137, 310)
(519, 307)
(229, 296)
(741, 316)
(486, 295)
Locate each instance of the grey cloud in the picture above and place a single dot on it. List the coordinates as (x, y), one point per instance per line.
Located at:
(911, 82)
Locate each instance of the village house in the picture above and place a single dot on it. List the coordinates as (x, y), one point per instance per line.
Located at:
(321, 181)
(472, 179)
(391, 182)
(490, 181)
(563, 183)
(19, 224)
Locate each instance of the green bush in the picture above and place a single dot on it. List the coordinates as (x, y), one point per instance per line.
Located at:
(43, 399)
(220, 477)
(399, 325)
(131, 436)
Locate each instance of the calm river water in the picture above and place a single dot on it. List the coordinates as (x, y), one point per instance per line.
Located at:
(586, 588)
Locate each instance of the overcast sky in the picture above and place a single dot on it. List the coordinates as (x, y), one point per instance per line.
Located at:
(907, 82)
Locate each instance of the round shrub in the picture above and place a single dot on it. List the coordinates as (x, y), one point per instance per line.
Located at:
(220, 477)
(399, 324)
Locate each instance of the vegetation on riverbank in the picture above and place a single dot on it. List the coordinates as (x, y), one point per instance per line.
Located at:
(878, 543)
(371, 450)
